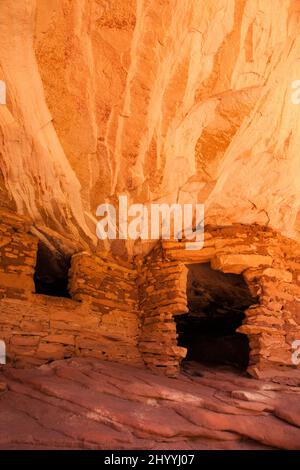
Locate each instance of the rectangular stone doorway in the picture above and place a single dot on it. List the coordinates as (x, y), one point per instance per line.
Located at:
(216, 303)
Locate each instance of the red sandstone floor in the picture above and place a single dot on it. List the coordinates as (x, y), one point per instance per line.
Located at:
(90, 404)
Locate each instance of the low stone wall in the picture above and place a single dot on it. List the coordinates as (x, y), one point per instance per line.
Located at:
(44, 328)
(270, 265)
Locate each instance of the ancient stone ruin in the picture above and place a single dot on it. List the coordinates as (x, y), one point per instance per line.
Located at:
(234, 302)
(126, 337)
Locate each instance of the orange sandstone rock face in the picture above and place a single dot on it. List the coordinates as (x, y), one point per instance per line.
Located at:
(161, 100)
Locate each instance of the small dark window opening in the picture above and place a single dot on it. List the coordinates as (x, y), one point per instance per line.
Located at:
(216, 303)
(51, 272)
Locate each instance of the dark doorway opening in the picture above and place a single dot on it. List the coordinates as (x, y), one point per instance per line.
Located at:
(51, 272)
(216, 303)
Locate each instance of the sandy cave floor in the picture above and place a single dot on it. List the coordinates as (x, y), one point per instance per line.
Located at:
(93, 404)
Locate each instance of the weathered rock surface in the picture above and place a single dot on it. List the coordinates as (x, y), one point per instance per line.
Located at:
(162, 100)
(89, 404)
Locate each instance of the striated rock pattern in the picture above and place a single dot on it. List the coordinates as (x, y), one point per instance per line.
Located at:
(89, 404)
(163, 100)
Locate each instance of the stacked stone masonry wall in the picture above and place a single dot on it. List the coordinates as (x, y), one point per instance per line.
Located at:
(101, 320)
(270, 265)
(162, 286)
(125, 311)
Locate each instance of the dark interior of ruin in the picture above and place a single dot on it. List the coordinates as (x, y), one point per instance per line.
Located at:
(216, 303)
(51, 272)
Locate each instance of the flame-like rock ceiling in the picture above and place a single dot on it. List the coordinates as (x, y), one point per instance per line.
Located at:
(163, 100)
